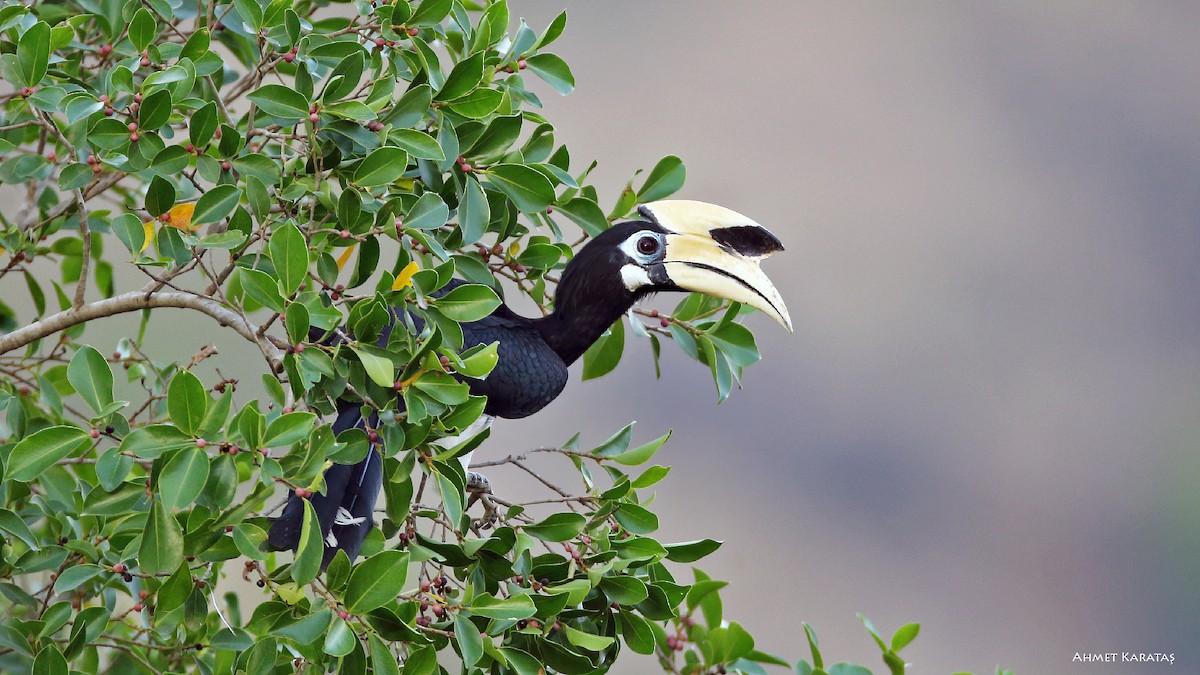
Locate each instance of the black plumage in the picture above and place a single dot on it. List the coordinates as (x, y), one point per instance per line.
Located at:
(708, 248)
(531, 371)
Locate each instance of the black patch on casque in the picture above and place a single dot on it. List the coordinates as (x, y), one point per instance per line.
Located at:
(748, 240)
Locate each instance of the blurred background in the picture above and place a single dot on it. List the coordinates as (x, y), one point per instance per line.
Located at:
(987, 418)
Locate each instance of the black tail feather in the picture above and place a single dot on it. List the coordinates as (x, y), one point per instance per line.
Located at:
(349, 489)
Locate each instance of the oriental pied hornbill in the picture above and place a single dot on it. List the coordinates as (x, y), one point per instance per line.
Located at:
(678, 246)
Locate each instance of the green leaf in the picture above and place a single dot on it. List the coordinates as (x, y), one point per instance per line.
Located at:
(665, 179)
(13, 524)
(691, 551)
(552, 69)
(477, 104)
(202, 124)
(216, 204)
(418, 145)
(557, 527)
(310, 549)
(92, 378)
(74, 176)
(429, 213)
(289, 253)
(465, 77)
(279, 101)
(586, 214)
(155, 110)
(150, 441)
(637, 632)
(162, 542)
(642, 453)
(50, 661)
(512, 608)
(624, 590)
(905, 635)
(142, 29)
(33, 53)
(588, 641)
(379, 368)
(383, 662)
(186, 401)
(376, 581)
(339, 639)
(160, 196)
(470, 642)
(554, 30)
(636, 518)
(474, 213)
(289, 428)
(468, 302)
(41, 450)
(262, 288)
(183, 477)
(76, 576)
(528, 188)
(603, 356)
(383, 166)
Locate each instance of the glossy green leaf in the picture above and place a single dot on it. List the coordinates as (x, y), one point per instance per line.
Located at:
(474, 213)
(289, 253)
(376, 581)
(203, 124)
(183, 477)
(469, 302)
(383, 166)
(162, 542)
(187, 401)
(150, 441)
(463, 78)
(142, 29)
(91, 376)
(642, 453)
(216, 204)
(528, 188)
(470, 642)
(691, 551)
(379, 368)
(33, 53)
(586, 214)
(41, 450)
(429, 213)
(280, 101)
(557, 527)
(418, 145)
(310, 549)
(155, 110)
(50, 661)
(605, 353)
(552, 69)
(339, 640)
(664, 180)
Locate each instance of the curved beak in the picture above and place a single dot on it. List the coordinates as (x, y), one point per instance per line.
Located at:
(713, 250)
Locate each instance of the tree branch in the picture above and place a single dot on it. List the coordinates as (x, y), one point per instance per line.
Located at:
(133, 301)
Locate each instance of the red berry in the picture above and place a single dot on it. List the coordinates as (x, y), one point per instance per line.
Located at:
(302, 493)
(134, 107)
(108, 112)
(466, 168)
(519, 268)
(134, 137)
(299, 347)
(289, 57)
(133, 126)
(96, 168)
(200, 443)
(343, 615)
(120, 568)
(461, 159)
(287, 409)
(654, 313)
(137, 98)
(521, 64)
(95, 433)
(91, 159)
(413, 31)
(52, 156)
(664, 323)
(189, 147)
(438, 610)
(345, 234)
(143, 594)
(226, 166)
(145, 61)
(103, 98)
(380, 42)
(373, 437)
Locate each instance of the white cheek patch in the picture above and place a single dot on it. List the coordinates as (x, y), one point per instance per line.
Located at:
(634, 277)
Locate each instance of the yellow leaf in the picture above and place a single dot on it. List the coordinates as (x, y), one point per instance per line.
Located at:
(514, 249)
(148, 228)
(405, 277)
(180, 217)
(345, 256)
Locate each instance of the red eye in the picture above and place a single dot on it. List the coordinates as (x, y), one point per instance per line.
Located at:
(647, 245)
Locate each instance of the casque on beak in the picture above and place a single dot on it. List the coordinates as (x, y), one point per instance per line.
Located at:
(716, 251)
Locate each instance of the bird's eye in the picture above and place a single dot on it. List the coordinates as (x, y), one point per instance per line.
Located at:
(647, 245)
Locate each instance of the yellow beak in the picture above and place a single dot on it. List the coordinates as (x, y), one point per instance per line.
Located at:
(713, 250)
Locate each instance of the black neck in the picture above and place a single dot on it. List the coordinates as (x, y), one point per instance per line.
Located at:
(572, 327)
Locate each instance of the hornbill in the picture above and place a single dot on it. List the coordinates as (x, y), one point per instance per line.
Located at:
(678, 245)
